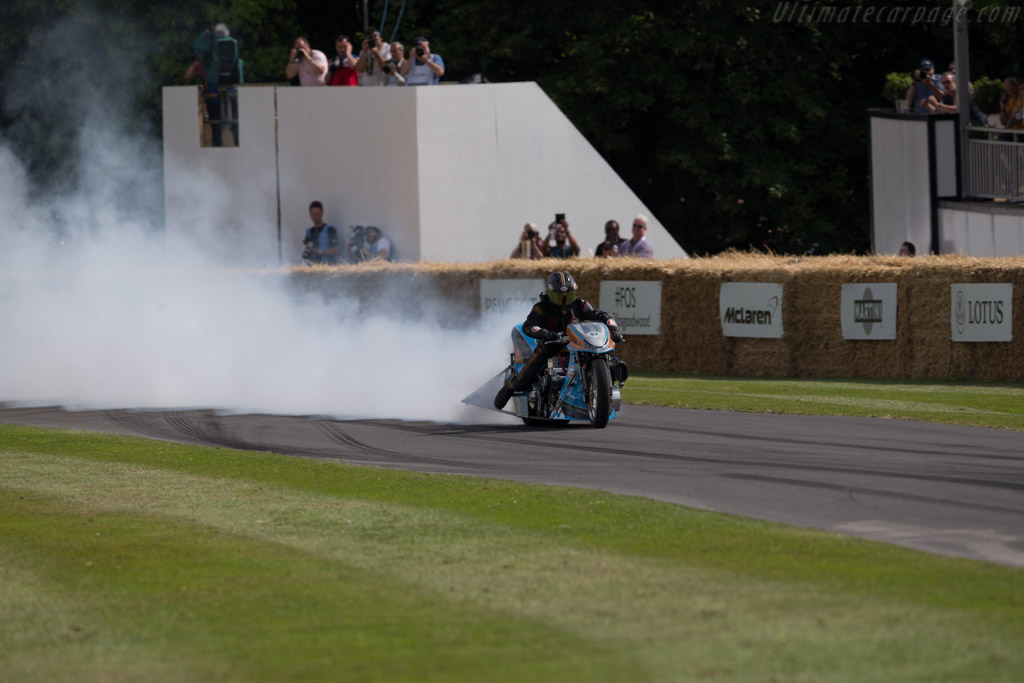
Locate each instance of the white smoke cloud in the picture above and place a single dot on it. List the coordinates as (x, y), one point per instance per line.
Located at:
(124, 319)
(99, 310)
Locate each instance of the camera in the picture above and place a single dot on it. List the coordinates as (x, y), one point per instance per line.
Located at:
(358, 240)
(533, 234)
(300, 53)
(389, 67)
(420, 52)
(307, 253)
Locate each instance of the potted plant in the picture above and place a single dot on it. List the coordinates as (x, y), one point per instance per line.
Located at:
(895, 89)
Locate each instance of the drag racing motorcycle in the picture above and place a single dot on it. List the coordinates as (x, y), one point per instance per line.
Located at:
(580, 382)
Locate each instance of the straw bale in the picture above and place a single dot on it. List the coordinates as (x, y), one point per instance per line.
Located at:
(691, 338)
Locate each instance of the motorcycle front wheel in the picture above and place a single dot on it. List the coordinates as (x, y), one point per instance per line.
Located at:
(599, 402)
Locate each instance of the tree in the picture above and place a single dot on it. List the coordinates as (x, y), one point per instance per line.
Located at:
(738, 125)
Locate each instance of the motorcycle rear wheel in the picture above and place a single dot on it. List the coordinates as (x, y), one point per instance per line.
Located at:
(599, 402)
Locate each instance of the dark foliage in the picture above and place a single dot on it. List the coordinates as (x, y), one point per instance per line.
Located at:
(736, 123)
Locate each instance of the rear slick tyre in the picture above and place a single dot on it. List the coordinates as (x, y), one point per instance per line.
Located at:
(599, 402)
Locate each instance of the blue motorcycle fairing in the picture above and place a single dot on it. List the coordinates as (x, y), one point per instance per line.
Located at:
(592, 338)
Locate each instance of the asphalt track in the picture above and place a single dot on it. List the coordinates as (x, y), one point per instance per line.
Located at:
(951, 490)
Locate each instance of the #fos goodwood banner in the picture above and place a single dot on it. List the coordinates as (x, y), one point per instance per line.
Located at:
(981, 312)
(868, 310)
(751, 309)
(635, 305)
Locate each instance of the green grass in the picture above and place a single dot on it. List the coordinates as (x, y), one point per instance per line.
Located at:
(999, 405)
(126, 559)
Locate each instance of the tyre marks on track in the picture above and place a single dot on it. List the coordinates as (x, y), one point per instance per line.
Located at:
(334, 431)
(211, 429)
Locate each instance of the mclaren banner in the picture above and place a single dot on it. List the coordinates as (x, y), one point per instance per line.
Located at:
(751, 309)
(868, 310)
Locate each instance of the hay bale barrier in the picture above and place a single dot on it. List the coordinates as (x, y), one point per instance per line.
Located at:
(691, 338)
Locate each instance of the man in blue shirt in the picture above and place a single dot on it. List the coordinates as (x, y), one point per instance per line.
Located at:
(926, 83)
(422, 67)
(321, 240)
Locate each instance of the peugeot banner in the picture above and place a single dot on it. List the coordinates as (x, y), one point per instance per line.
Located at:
(509, 298)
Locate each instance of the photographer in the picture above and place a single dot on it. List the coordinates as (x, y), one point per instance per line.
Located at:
(309, 65)
(423, 67)
(394, 66)
(373, 58)
(925, 85)
(321, 241)
(367, 244)
(565, 245)
(342, 70)
(530, 245)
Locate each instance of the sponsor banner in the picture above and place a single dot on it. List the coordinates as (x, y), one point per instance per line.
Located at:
(751, 309)
(635, 305)
(981, 312)
(509, 298)
(868, 310)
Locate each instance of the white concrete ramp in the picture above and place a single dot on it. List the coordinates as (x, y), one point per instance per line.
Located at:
(449, 173)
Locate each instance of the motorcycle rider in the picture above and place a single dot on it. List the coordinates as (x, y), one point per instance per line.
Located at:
(547, 321)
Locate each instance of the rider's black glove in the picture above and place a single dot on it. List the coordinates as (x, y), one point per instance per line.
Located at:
(617, 336)
(550, 335)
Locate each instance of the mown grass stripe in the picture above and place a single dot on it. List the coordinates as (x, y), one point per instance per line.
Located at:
(998, 405)
(624, 588)
(102, 595)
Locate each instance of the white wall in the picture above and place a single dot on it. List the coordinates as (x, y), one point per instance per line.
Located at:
(449, 173)
(225, 196)
(354, 150)
(900, 201)
(989, 229)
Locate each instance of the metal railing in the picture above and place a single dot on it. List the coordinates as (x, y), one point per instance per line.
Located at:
(995, 163)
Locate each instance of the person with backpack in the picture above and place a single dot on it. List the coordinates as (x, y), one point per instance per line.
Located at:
(217, 63)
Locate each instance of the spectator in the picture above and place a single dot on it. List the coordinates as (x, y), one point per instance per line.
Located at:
(373, 57)
(342, 69)
(394, 67)
(375, 247)
(423, 67)
(1010, 115)
(638, 246)
(908, 249)
(321, 240)
(208, 68)
(309, 65)
(947, 103)
(612, 241)
(565, 245)
(925, 84)
(530, 246)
